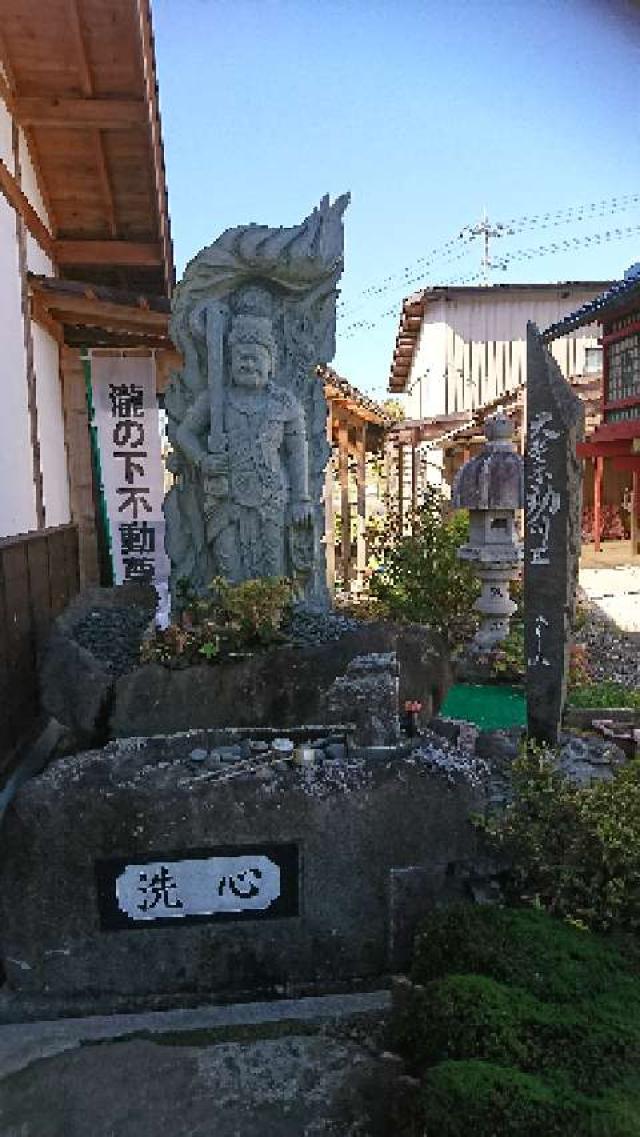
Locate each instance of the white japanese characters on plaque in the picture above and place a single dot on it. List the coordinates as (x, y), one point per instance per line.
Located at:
(127, 420)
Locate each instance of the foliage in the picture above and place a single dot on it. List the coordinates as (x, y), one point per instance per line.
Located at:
(507, 659)
(525, 948)
(574, 850)
(603, 694)
(579, 669)
(522, 1024)
(495, 1101)
(254, 609)
(231, 618)
(420, 577)
(394, 409)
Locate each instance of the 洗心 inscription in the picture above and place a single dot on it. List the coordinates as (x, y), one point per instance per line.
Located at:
(210, 885)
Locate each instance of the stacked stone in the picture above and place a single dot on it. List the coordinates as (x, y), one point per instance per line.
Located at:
(279, 753)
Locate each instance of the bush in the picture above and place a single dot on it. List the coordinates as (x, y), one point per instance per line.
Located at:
(549, 959)
(480, 1099)
(420, 577)
(520, 1024)
(589, 1044)
(603, 694)
(233, 617)
(573, 850)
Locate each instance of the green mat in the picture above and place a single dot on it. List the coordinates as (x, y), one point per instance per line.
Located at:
(491, 707)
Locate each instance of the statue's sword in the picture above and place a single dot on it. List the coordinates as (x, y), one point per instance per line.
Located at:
(216, 318)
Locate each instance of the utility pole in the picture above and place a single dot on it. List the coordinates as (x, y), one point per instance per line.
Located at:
(486, 230)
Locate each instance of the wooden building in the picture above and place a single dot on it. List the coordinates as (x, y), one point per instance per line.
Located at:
(460, 353)
(612, 446)
(85, 262)
(356, 431)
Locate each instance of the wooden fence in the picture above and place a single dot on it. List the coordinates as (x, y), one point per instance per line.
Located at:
(39, 574)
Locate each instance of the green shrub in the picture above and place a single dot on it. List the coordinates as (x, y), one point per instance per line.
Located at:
(231, 618)
(603, 694)
(420, 577)
(590, 1045)
(550, 959)
(521, 1024)
(573, 850)
(478, 1099)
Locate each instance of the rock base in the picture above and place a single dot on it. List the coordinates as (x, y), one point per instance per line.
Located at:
(348, 831)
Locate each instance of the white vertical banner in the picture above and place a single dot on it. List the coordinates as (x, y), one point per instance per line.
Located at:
(127, 422)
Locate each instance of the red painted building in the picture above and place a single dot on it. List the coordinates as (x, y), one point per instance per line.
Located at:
(617, 436)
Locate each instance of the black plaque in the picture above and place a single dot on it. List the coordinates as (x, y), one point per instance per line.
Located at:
(167, 888)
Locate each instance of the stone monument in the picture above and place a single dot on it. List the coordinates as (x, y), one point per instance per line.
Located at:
(253, 316)
(490, 486)
(553, 500)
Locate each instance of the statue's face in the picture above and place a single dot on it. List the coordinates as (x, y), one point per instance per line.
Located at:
(249, 365)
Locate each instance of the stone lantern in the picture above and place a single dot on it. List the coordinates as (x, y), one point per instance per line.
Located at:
(491, 487)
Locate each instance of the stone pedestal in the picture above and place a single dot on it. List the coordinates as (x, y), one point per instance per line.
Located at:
(154, 871)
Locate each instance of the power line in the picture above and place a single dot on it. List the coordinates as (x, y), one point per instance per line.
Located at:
(518, 255)
(572, 214)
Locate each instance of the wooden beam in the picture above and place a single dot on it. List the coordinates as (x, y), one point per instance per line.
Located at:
(151, 90)
(32, 401)
(105, 182)
(11, 189)
(81, 113)
(99, 313)
(6, 94)
(101, 337)
(329, 517)
(635, 514)
(86, 78)
(597, 500)
(361, 491)
(41, 316)
(147, 254)
(400, 489)
(345, 512)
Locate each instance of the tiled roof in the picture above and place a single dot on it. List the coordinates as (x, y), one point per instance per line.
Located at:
(618, 296)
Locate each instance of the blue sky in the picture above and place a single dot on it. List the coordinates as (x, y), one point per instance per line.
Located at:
(428, 112)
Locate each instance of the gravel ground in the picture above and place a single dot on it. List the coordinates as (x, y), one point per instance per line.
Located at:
(613, 645)
(114, 635)
(306, 627)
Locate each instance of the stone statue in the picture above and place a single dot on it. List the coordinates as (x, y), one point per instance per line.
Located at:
(253, 316)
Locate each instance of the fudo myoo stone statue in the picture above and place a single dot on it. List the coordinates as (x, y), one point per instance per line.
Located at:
(253, 316)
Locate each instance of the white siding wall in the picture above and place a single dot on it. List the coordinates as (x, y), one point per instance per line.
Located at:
(472, 347)
(53, 455)
(17, 492)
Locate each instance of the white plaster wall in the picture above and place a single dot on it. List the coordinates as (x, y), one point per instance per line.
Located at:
(53, 455)
(426, 386)
(472, 348)
(6, 146)
(29, 182)
(17, 492)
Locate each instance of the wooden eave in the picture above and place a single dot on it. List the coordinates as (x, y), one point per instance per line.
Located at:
(343, 396)
(95, 315)
(81, 82)
(406, 341)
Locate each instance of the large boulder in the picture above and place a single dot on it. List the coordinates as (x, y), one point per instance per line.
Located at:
(281, 687)
(95, 903)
